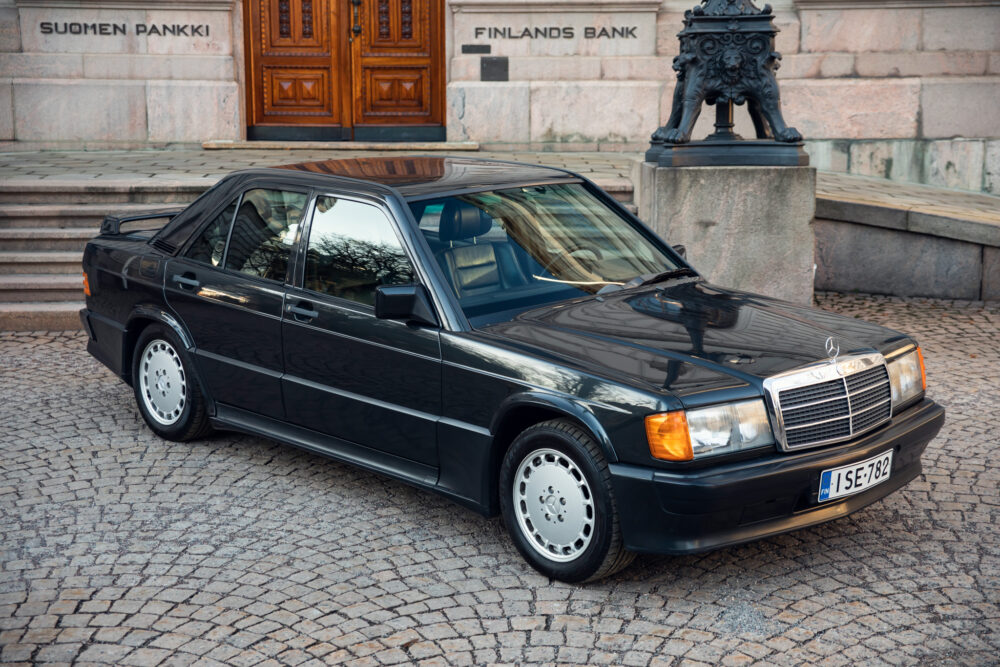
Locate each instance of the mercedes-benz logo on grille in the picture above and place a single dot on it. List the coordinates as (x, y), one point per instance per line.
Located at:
(832, 348)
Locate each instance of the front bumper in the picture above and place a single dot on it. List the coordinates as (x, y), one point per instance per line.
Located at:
(689, 512)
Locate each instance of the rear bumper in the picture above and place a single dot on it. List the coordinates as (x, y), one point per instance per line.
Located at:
(104, 339)
(688, 512)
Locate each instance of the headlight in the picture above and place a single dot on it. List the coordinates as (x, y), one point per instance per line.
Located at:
(720, 429)
(906, 377)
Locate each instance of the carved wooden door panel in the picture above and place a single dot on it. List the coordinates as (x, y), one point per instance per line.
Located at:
(342, 69)
(398, 60)
(299, 72)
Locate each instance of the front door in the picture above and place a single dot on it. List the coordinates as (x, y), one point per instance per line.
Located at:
(368, 70)
(373, 382)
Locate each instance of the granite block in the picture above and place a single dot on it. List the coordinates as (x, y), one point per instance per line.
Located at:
(753, 232)
(960, 107)
(861, 258)
(50, 110)
(488, 112)
(192, 111)
(594, 111)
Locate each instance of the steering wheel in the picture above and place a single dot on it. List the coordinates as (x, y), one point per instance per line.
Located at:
(572, 250)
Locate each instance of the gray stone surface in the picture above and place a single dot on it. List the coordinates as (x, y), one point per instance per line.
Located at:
(49, 110)
(853, 258)
(186, 111)
(6, 109)
(991, 168)
(744, 227)
(955, 164)
(960, 107)
(10, 29)
(991, 274)
(124, 548)
(489, 110)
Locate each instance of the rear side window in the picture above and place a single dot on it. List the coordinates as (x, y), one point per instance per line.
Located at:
(353, 249)
(210, 246)
(264, 231)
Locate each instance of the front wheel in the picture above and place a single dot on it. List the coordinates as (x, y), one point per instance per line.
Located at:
(558, 506)
(166, 388)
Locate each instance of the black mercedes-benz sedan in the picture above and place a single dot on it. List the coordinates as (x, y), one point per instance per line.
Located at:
(509, 336)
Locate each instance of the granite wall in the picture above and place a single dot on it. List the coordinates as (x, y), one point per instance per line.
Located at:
(907, 90)
(90, 74)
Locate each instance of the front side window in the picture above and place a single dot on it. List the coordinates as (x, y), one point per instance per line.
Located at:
(353, 249)
(508, 250)
(210, 246)
(264, 231)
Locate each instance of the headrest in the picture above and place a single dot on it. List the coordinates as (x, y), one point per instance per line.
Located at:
(461, 220)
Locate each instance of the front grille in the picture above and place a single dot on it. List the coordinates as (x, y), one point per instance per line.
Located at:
(834, 410)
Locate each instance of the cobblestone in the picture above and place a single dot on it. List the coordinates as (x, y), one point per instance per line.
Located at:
(121, 548)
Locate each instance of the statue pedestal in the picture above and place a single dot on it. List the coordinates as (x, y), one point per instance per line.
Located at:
(749, 228)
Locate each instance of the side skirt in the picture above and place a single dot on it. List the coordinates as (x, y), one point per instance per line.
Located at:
(411, 472)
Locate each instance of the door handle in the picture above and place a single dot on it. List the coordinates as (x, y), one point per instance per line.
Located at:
(303, 312)
(187, 280)
(356, 28)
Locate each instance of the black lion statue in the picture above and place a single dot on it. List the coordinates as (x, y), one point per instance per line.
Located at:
(723, 57)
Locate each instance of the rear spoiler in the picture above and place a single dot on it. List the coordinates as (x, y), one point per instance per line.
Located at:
(112, 223)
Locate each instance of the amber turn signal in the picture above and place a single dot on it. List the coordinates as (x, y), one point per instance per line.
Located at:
(86, 284)
(668, 438)
(923, 371)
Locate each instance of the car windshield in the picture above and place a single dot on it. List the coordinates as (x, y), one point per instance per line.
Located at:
(505, 251)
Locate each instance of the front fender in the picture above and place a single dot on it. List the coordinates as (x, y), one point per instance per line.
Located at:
(579, 410)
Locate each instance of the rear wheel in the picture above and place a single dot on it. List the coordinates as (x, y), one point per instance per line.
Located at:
(558, 505)
(166, 389)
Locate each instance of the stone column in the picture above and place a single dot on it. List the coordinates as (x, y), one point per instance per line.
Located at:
(749, 228)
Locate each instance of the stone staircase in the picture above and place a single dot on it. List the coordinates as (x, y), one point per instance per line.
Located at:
(44, 227)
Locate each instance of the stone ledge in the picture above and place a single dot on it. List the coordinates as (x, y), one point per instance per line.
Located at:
(960, 216)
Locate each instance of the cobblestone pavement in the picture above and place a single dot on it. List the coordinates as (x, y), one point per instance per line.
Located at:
(119, 547)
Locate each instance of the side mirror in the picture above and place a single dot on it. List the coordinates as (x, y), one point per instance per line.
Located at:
(680, 250)
(404, 302)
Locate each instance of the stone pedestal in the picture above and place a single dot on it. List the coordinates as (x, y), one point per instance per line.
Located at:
(749, 228)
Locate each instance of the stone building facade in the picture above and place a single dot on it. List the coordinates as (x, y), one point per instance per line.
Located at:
(905, 89)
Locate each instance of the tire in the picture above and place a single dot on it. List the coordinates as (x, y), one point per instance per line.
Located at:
(558, 506)
(166, 388)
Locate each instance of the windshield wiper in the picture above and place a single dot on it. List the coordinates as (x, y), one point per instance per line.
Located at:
(651, 278)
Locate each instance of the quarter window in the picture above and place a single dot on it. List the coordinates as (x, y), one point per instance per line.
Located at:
(264, 232)
(352, 249)
(210, 246)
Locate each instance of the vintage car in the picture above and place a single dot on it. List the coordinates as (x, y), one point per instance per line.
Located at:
(513, 338)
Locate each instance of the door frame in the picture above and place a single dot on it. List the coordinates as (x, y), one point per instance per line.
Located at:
(348, 55)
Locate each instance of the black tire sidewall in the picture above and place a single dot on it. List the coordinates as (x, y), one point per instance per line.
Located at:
(581, 568)
(180, 428)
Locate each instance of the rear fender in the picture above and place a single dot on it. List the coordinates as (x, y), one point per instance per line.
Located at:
(149, 312)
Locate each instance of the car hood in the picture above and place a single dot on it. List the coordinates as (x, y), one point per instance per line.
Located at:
(690, 336)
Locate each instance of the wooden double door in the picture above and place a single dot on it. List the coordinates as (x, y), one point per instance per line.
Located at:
(367, 70)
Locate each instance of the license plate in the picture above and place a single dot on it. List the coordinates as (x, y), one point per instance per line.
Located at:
(857, 477)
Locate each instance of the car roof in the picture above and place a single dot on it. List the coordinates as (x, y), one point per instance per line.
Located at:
(418, 176)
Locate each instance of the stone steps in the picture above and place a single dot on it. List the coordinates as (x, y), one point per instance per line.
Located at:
(45, 225)
(21, 262)
(30, 287)
(163, 192)
(40, 316)
(64, 216)
(44, 240)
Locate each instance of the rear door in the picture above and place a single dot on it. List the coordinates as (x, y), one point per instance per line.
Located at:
(228, 287)
(348, 374)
